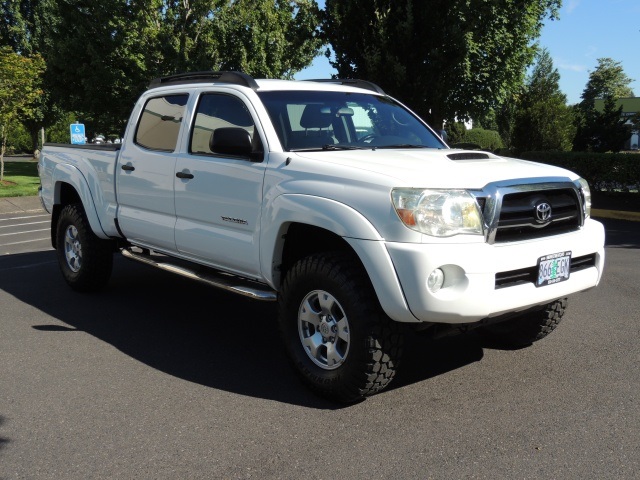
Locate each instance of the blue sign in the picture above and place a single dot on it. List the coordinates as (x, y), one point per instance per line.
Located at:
(77, 133)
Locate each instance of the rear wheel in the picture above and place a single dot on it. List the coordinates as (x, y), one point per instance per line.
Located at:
(527, 328)
(340, 341)
(85, 260)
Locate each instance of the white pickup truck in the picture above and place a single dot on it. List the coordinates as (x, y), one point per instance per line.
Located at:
(338, 202)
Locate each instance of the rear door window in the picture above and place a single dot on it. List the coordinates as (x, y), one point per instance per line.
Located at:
(160, 121)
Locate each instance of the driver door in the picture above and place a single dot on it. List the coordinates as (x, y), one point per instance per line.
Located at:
(218, 198)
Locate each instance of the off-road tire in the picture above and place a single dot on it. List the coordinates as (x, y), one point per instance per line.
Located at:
(527, 328)
(372, 345)
(85, 260)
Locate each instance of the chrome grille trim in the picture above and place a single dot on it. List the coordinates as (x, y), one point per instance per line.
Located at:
(491, 199)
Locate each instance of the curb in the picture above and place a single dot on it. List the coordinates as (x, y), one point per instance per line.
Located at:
(9, 205)
(616, 214)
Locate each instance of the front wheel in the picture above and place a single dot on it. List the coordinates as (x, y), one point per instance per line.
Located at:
(527, 328)
(340, 341)
(85, 260)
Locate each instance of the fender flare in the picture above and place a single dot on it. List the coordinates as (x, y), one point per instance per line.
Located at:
(71, 175)
(345, 222)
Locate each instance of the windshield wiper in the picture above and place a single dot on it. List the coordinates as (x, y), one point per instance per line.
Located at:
(403, 145)
(329, 146)
(343, 147)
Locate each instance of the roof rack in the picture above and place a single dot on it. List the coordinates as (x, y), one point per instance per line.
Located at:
(353, 82)
(237, 78)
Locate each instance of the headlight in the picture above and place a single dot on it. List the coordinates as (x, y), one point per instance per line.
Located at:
(583, 186)
(439, 213)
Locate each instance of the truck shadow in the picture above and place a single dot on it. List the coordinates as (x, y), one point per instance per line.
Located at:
(621, 233)
(194, 332)
(425, 358)
(3, 441)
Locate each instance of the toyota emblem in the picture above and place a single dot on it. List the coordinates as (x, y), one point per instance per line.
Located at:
(543, 212)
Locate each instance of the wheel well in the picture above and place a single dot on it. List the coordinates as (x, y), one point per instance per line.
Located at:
(66, 195)
(303, 240)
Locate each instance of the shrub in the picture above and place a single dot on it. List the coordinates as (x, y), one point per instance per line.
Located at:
(603, 171)
(18, 140)
(466, 146)
(59, 132)
(455, 132)
(487, 139)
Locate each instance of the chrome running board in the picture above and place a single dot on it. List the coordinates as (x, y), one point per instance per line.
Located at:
(225, 281)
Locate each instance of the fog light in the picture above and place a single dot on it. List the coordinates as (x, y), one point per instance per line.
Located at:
(435, 280)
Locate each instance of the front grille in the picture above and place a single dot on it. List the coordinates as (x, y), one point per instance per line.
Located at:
(528, 275)
(517, 213)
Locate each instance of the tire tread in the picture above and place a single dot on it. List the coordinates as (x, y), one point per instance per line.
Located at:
(97, 254)
(384, 340)
(528, 328)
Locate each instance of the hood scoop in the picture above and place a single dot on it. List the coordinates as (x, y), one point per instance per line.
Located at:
(468, 156)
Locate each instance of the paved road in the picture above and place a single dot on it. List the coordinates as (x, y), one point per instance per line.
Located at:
(22, 232)
(159, 377)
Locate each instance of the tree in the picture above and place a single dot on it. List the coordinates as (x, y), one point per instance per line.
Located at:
(19, 89)
(607, 80)
(25, 28)
(543, 121)
(506, 116)
(103, 54)
(267, 39)
(601, 131)
(445, 58)
(605, 130)
(21, 26)
(99, 56)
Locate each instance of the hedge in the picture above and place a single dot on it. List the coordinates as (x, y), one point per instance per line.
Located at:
(603, 171)
(486, 139)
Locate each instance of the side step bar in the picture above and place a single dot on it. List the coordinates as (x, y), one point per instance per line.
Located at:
(211, 277)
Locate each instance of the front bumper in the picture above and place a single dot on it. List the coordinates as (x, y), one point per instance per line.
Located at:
(469, 293)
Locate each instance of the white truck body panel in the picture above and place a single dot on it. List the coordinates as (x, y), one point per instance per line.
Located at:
(91, 172)
(234, 213)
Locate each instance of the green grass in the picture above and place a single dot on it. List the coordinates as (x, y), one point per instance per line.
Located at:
(20, 179)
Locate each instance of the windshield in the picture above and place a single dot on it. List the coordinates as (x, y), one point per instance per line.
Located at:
(306, 120)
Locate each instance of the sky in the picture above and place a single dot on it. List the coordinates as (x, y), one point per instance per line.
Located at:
(587, 30)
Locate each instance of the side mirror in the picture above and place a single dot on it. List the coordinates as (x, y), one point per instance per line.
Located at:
(233, 141)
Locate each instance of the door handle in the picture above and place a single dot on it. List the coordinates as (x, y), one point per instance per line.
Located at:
(184, 175)
(128, 168)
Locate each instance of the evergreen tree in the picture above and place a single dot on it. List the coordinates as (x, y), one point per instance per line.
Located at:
(542, 120)
(607, 80)
(602, 131)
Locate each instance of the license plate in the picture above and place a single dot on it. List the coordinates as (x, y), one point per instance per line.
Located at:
(553, 268)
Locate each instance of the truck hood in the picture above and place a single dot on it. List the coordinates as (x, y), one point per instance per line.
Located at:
(433, 168)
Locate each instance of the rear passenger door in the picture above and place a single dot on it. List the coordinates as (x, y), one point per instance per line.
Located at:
(146, 174)
(218, 197)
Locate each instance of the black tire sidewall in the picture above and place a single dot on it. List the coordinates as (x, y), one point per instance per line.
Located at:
(527, 328)
(97, 257)
(292, 336)
(333, 274)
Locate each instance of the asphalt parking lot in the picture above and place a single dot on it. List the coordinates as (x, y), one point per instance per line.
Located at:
(160, 377)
